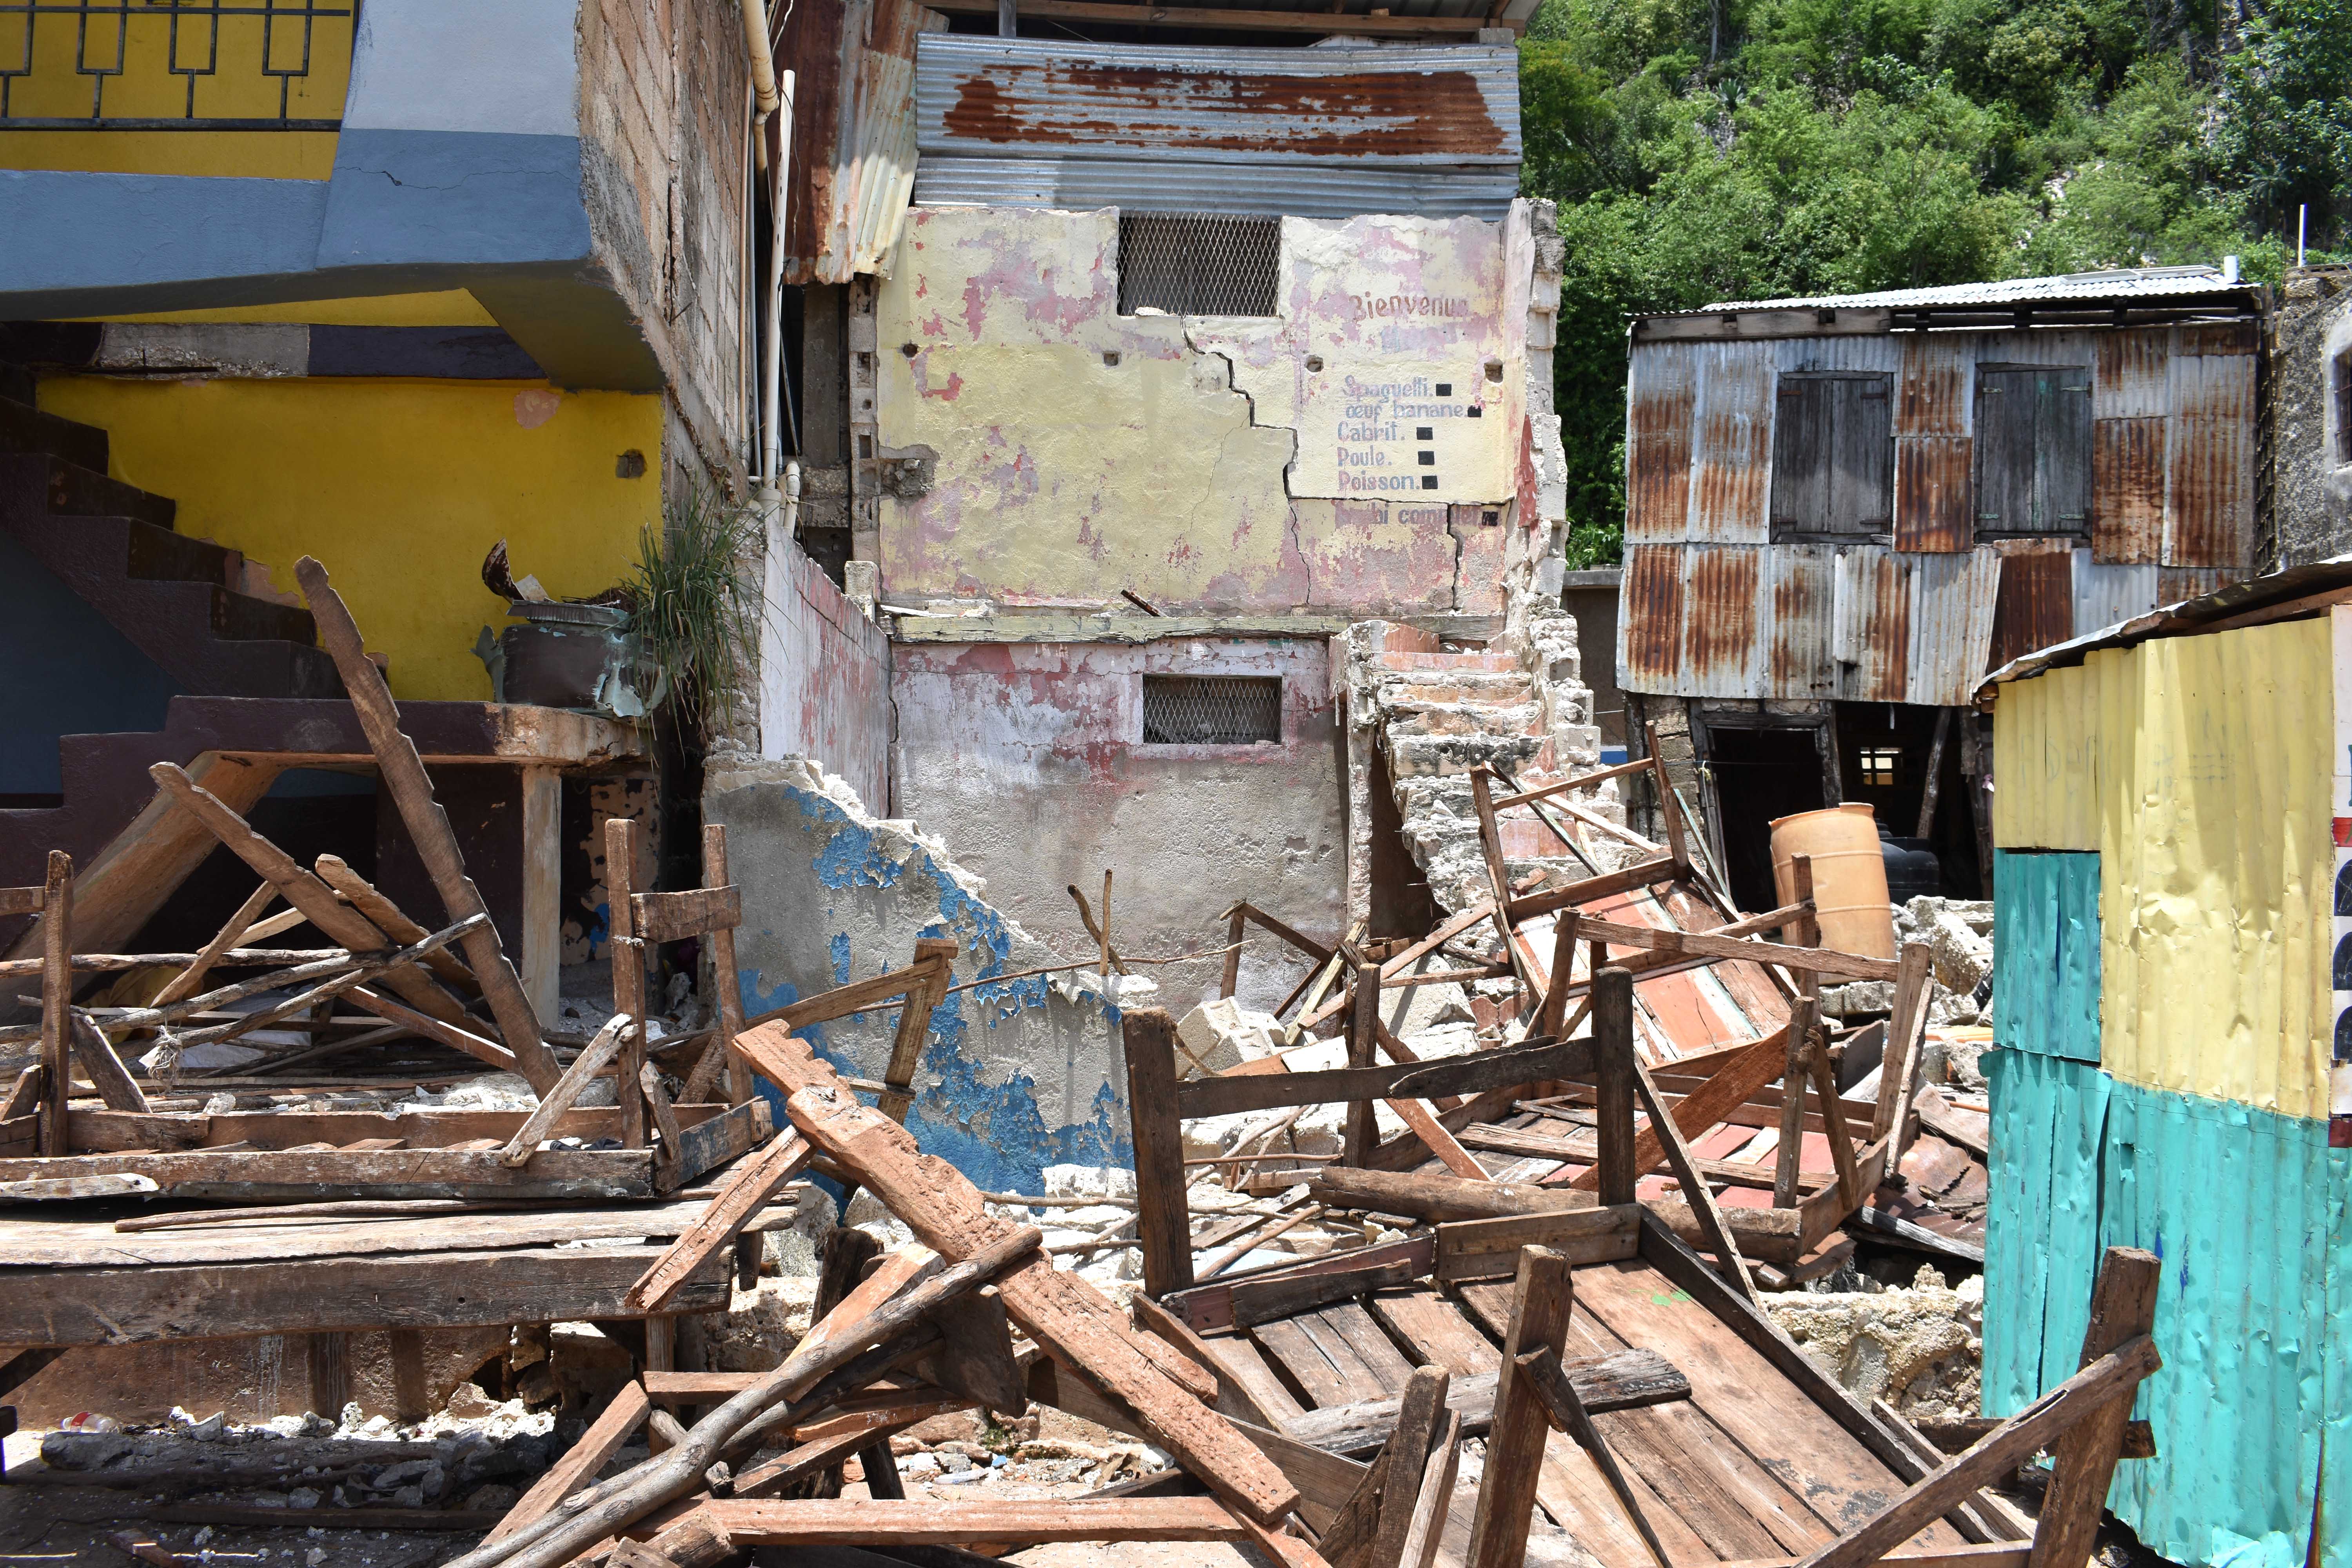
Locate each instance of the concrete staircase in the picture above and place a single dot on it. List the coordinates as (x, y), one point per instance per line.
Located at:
(1435, 715)
(176, 599)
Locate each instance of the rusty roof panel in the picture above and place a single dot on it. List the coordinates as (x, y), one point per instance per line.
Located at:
(2127, 475)
(2175, 584)
(1156, 127)
(1937, 377)
(1870, 625)
(1721, 648)
(2221, 338)
(1660, 395)
(2035, 605)
(2132, 374)
(1951, 625)
(2106, 593)
(1731, 456)
(1650, 619)
(852, 160)
(1800, 582)
(1933, 506)
(2209, 512)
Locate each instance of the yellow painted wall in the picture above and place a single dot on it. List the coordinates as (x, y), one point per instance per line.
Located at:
(240, 50)
(2199, 768)
(399, 487)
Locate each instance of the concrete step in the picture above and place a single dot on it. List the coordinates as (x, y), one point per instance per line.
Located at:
(23, 428)
(73, 491)
(1468, 719)
(1420, 687)
(1495, 663)
(1420, 755)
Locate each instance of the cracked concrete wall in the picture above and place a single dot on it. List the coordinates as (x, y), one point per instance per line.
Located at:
(1016, 1073)
(1221, 464)
(1028, 757)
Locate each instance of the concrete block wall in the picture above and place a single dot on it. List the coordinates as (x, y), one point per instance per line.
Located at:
(824, 677)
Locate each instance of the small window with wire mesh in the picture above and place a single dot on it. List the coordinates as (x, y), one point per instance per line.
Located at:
(1198, 264)
(1212, 710)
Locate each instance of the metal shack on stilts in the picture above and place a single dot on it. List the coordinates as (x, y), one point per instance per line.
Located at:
(2172, 823)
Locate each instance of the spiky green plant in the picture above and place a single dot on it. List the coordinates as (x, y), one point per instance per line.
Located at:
(697, 600)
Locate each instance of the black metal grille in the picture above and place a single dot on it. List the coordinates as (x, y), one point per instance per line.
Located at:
(1198, 264)
(1211, 709)
(125, 53)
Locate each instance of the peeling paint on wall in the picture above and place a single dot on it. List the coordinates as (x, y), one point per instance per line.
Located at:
(1016, 1073)
(1196, 461)
(1029, 758)
(824, 675)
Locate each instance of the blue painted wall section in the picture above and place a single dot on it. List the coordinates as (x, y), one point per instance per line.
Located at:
(2253, 1411)
(2045, 948)
(1016, 1073)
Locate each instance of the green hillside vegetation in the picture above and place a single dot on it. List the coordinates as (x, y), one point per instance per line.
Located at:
(1711, 150)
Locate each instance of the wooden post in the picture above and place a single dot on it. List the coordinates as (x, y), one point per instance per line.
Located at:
(1563, 974)
(1914, 988)
(1163, 1220)
(1515, 1445)
(1677, 844)
(1614, 1082)
(1421, 1418)
(1363, 1134)
(914, 1028)
(331, 1374)
(541, 930)
(1705, 1212)
(723, 980)
(1233, 977)
(1935, 772)
(629, 975)
(661, 1345)
(401, 773)
(1804, 933)
(2123, 1307)
(57, 1001)
(1498, 876)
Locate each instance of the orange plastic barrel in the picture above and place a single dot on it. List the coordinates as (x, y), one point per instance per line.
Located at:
(1849, 876)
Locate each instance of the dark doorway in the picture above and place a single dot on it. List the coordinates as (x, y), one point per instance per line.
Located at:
(1883, 752)
(1759, 774)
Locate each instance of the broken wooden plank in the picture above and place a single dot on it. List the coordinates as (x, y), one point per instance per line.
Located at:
(1489, 1249)
(388, 917)
(561, 1096)
(747, 1190)
(1469, 1074)
(1706, 1215)
(914, 1027)
(622, 1416)
(107, 1074)
(1623, 1380)
(1541, 1372)
(1064, 1313)
(1514, 1442)
(673, 917)
(1162, 1223)
(2123, 1307)
(400, 773)
(834, 1521)
(486, 1051)
(291, 1175)
(56, 999)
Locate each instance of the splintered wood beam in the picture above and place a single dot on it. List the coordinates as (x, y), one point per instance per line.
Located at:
(371, 901)
(837, 1521)
(915, 1026)
(622, 1416)
(339, 921)
(748, 1191)
(1473, 1073)
(561, 1096)
(1074, 1322)
(112, 1081)
(1515, 1445)
(401, 773)
(1705, 1213)
(185, 984)
(1540, 1369)
(1164, 1227)
(1699, 1112)
(57, 1001)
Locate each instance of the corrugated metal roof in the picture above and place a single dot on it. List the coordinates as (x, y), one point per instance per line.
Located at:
(1323, 132)
(2246, 1210)
(2122, 283)
(852, 162)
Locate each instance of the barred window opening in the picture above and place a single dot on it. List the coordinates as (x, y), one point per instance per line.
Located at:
(1212, 710)
(1198, 264)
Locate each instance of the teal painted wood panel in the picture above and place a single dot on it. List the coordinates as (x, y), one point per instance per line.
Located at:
(2247, 1209)
(2046, 988)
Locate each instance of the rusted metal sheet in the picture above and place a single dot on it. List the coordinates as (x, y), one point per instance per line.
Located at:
(2221, 338)
(1660, 395)
(2174, 585)
(2035, 604)
(1801, 582)
(2108, 594)
(852, 162)
(2131, 372)
(2210, 514)
(1933, 511)
(1731, 458)
(2127, 470)
(1721, 649)
(1951, 625)
(1650, 618)
(1937, 374)
(1869, 626)
(1013, 121)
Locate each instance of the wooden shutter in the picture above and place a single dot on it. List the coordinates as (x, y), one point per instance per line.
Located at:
(1800, 456)
(2034, 449)
(1833, 455)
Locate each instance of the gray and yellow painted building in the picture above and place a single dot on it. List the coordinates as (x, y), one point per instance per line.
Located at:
(2171, 811)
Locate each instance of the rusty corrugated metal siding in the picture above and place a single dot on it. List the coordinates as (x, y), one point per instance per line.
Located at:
(1649, 636)
(1432, 131)
(1933, 514)
(2127, 479)
(1660, 398)
(1721, 647)
(852, 162)
(1911, 616)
